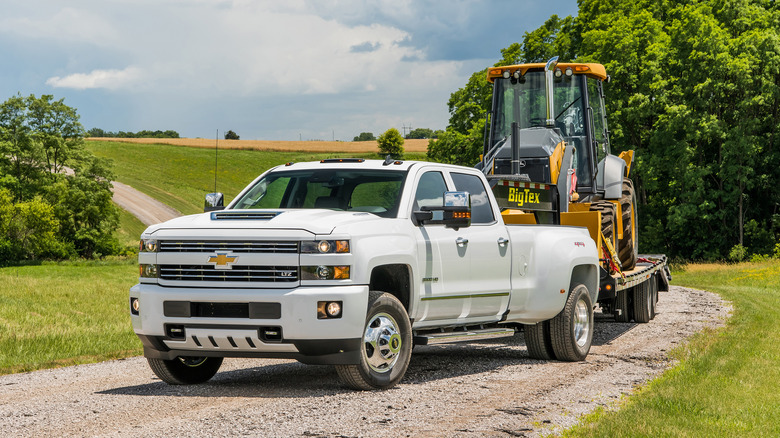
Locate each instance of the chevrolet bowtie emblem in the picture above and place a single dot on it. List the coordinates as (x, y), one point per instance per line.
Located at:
(222, 260)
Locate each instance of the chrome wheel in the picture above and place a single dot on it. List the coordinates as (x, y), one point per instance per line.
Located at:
(581, 323)
(381, 343)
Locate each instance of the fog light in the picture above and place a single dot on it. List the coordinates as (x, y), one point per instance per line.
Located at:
(328, 309)
(135, 306)
(324, 272)
(334, 309)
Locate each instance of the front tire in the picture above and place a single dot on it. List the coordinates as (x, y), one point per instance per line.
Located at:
(571, 331)
(386, 348)
(185, 370)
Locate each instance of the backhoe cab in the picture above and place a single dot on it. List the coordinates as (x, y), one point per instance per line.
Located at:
(548, 158)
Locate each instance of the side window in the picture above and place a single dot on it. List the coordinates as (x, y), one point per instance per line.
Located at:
(481, 211)
(430, 190)
(597, 104)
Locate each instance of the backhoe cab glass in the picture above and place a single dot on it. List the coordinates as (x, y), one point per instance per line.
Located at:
(578, 113)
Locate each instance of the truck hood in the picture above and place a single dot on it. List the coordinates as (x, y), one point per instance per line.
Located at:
(316, 221)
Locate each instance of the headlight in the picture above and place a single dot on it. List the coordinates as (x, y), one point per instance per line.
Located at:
(324, 272)
(147, 271)
(325, 247)
(148, 245)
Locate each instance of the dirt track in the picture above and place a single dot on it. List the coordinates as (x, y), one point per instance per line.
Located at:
(485, 389)
(147, 209)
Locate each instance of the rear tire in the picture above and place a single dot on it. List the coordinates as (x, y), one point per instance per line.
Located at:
(623, 312)
(571, 331)
(643, 303)
(185, 370)
(537, 340)
(628, 246)
(386, 348)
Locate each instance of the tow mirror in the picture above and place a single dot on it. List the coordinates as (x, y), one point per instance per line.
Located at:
(214, 201)
(455, 213)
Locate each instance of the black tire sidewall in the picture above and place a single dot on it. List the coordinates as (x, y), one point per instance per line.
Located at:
(386, 303)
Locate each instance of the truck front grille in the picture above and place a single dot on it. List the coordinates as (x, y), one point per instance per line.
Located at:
(249, 246)
(277, 274)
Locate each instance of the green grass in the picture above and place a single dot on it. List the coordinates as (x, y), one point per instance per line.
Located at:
(130, 228)
(58, 314)
(181, 176)
(728, 380)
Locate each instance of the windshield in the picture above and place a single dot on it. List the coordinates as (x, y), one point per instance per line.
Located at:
(354, 190)
(524, 101)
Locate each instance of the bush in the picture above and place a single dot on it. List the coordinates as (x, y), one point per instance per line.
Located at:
(391, 143)
(738, 253)
(230, 135)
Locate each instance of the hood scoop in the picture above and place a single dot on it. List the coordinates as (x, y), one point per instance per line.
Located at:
(244, 215)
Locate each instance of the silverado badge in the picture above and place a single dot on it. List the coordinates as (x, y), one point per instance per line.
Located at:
(222, 260)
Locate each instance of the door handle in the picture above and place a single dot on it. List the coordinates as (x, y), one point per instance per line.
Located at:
(502, 241)
(461, 241)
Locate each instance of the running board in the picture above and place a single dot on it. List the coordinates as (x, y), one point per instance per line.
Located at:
(463, 336)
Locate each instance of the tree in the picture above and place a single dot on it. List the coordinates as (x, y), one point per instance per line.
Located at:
(230, 135)
(391, 143)
(364, 136)
(47, 173)
(420, 133)
(694, 91)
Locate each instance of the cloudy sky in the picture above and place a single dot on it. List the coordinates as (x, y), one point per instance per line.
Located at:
(272, 70)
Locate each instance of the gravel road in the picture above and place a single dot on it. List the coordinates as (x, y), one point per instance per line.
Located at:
(484, 389)
(147, 209)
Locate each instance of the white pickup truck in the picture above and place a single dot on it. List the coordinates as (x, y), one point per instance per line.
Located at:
(351, 262)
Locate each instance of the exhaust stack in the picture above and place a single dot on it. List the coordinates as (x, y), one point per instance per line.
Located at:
(549, 69)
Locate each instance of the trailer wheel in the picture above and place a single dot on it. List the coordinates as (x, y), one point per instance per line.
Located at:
(622, 311)
(185, 370)
(386, 348)
(654, 295)
(571, 331)
(643, 303)
(537, 340)
(629, 245)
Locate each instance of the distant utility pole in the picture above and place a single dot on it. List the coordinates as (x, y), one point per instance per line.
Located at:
(406, 129)
(334, 135)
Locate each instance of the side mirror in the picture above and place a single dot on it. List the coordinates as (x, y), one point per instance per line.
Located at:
(214, 201)
(455, 213)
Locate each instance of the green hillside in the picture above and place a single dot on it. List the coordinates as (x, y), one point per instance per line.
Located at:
(181, 176)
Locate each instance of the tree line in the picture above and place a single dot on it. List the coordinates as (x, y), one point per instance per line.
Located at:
(694, 90)
(97, 132)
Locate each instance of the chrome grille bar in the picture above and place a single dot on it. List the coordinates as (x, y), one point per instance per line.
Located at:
(260, 247)
(277, 274)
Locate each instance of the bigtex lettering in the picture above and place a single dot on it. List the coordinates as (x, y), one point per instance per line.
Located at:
(522, 197)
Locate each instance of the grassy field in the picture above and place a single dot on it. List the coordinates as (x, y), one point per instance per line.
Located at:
(181, 176)
(64, 314)
(361, 147)
(728, 381)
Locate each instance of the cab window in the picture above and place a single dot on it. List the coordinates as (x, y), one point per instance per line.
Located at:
(430, 190)
(481, 210)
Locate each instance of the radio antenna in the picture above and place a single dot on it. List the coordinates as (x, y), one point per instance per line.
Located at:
(216, 158)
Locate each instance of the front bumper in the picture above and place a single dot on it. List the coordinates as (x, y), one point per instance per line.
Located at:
(291, 331)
